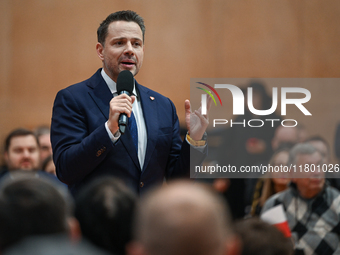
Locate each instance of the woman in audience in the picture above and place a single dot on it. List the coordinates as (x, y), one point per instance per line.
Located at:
(273, 183)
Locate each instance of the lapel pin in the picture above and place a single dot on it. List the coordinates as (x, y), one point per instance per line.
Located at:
(152, 98)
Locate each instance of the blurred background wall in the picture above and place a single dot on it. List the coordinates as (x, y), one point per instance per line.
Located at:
(46, 45)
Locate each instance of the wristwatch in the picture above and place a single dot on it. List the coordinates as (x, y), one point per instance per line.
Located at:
(201, 142)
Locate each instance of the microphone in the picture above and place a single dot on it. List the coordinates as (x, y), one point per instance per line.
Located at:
(125, 84)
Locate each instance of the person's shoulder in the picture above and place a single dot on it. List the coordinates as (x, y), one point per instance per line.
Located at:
(153, 94)
(143, 89)
(334, 192)
(282, 197)
(332, 197)
(277, 197)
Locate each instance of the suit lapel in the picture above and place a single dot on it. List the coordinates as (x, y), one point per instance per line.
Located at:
(100, 93)
(151, 121)
(102, 96)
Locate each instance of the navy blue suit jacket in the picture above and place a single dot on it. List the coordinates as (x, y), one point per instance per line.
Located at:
(82, 149)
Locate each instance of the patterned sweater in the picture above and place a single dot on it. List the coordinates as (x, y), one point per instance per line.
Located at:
(315, 222)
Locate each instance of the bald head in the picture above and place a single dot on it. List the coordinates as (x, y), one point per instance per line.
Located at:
(183, 218)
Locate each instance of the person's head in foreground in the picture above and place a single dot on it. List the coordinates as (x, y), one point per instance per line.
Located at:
(105, 210)
(31, 206)
(260, 238)
(183, 218)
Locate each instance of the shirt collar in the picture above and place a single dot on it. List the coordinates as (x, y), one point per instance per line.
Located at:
(112, 85)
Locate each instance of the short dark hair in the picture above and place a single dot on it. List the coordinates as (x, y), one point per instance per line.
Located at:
(30, 206)
(260, 238)
(105, 211)
(18, 132)
(118, 16)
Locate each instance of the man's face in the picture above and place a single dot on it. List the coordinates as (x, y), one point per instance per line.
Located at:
(45, 146)
(311, 183)
(23, 153)
(123, 49)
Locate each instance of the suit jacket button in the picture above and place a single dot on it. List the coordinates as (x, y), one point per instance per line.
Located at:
(141, 184)
(99, 153)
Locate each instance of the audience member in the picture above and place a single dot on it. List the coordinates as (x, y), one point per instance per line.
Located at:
(260, 238)
(105, 210)
(312, 207)
(287, 137)
(272, 183)
(243, 145)
(183, 219)
(36, 218)
(322, 145)
(44, 136)
(22, 150)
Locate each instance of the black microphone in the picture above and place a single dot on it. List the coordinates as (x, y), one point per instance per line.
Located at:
(125, 84)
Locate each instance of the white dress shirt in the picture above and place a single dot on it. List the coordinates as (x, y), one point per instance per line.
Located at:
(138, 112)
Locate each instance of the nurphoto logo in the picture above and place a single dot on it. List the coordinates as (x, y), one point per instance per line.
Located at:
(239, 103)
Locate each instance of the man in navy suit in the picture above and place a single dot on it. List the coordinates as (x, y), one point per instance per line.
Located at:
(85, 135)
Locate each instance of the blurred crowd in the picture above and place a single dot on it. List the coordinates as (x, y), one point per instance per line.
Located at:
(223, 216)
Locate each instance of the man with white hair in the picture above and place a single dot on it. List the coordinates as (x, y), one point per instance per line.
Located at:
(311, 205)
(183, 218)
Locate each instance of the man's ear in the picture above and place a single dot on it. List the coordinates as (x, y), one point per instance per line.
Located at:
(99, 49)
(74, 229)
(135, 248)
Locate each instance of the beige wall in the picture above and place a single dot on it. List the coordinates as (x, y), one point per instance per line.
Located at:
(46, 45)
